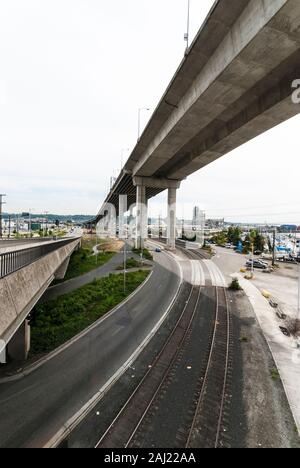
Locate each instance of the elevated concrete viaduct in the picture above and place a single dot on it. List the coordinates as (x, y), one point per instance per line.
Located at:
(235, 82)
(26, 273)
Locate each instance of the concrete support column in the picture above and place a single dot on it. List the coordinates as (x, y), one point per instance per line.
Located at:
(19, 346)
(141, 217)
(171, 232)
(122, 218)
(2, 352)
(61, 272)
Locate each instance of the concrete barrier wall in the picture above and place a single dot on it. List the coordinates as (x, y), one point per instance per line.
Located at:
(20, 291)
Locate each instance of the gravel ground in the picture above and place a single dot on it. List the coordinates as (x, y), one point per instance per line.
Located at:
(257, 413)
(87, 434)
(270, 423)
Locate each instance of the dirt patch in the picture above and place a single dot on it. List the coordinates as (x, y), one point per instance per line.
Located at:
(269, 418)
(111, 245)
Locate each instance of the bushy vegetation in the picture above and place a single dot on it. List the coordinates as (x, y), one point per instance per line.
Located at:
(146, 254)
(256, 239)
(130, 263)
(83, 261)
(235, 285)
(60, 320)
(233, 236)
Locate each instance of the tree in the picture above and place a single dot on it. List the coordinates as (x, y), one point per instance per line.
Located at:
(234, 235)
(247, 244)
(255, 240)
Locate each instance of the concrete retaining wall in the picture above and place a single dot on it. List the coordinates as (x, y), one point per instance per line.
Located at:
(20, 291)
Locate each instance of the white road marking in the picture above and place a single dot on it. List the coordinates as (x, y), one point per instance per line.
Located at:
(216, 275)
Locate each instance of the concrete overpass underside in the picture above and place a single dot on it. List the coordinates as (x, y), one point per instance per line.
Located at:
(234, 84)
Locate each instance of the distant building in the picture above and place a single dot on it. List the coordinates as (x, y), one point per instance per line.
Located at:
(215, 224)
(196, 216)
(288, 228)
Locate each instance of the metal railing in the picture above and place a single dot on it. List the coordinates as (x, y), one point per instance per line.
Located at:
(10, 262)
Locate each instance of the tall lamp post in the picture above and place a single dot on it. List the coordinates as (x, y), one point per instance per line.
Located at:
(125, 265)
(187, 34)
(46, 223)
(2, 195)
(139, 120)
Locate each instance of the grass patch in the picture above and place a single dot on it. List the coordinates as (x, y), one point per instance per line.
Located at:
(58, 321)
(146, 254)
(275, 374)
(83, 262)
(130, 263)
(235, 285)
(244, 339)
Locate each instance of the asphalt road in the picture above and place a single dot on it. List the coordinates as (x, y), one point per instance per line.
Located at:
(33, 409)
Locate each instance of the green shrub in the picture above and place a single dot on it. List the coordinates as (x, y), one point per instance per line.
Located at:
(235, 285)
(146, 254)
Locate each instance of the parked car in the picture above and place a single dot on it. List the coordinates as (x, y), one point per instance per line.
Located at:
(158, 250)
(257, 264)
(287, 259)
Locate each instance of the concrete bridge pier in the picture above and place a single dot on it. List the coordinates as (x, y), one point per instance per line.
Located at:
(142, 183)
(61, 272)
(123, 205)
(141, 216)
(19, 346)
(171, 232)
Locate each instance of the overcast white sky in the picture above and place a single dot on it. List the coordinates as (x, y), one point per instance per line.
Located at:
(73, 74)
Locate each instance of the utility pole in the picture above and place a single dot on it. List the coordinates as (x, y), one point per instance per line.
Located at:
(2, 195)
(274, 247)
(159, 226)
(46, 224)
(18, 226)
(125, 265)
(9, 226)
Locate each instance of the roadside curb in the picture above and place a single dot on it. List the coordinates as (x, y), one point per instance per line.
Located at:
(32, 368)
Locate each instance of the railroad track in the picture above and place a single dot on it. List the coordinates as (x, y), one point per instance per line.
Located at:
(202, 408)
(207, 428)
(126, 424)
(191, 254)
(204, 425)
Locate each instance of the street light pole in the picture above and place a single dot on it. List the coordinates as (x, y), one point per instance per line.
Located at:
(274, 248)
(2, 195)
(125, 265)
(187, 35)
(29, 223)
(46, 223)
(139, 120)
(298, 316)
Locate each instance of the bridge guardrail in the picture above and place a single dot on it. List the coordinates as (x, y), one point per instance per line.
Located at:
(10, 262)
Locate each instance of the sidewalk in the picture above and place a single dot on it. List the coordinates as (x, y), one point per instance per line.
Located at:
(283, 349)
(75, 283)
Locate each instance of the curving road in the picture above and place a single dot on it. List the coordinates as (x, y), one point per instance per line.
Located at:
(33, 409)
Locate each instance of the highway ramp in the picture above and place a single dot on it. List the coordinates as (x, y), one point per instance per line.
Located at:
(34, 408)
